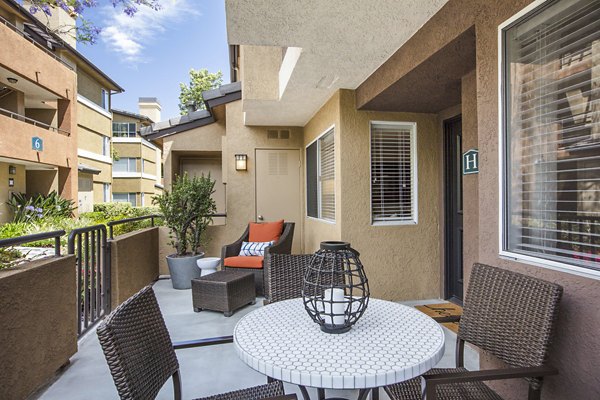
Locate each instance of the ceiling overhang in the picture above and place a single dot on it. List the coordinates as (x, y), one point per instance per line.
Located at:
(334, 45)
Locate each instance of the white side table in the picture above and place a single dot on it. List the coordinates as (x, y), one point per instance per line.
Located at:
(208, 265)
(391, 343)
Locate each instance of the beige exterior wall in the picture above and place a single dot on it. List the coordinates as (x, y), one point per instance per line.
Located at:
(88, 87)
(261, 71)
(6, 191)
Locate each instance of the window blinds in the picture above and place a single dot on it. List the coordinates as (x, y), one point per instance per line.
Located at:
(552, 119)
(392, 173)
(327, 176)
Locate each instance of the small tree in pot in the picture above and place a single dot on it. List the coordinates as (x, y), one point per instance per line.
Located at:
(187, 211)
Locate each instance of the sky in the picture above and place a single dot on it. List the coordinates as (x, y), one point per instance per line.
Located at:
(151, 53)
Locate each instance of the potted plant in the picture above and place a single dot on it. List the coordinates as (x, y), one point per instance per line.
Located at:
(187, 209)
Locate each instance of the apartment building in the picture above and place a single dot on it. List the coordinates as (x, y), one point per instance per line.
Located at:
(137, 163)
(38, 101)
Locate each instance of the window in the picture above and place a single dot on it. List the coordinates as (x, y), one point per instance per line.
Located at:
(124, 129)
(393, 173)
(106, 192)
(125, 164)
(105, 99)
(106, 146)
(320, 177)
(125, 198)
(142, 166)
(551, 135)
(142, 199)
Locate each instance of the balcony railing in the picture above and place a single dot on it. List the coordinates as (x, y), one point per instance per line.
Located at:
(32, 121)
(38, 45)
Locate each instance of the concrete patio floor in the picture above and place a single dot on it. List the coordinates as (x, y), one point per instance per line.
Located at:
(205, 371)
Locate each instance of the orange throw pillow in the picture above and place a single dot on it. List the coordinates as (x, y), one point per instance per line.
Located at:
(265, 232)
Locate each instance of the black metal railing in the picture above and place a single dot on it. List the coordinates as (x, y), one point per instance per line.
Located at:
(112, 224)
(15, 241)
(92, 250)
(32, 121)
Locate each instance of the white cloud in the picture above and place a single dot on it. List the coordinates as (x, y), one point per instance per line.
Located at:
(129, 36)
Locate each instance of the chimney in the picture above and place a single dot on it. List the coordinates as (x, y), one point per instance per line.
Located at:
(60, 22)
(191, 106)
(150, 107)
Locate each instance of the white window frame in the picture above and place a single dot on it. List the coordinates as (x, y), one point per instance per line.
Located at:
(328, 221)
(129, 196)
(414, 172)
(106, 192)
(116, 163)
(106, 146)
(128, 131)
(105, 100)
(503, 252)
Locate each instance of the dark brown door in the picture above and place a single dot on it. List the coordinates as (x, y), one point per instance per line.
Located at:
(453, 209)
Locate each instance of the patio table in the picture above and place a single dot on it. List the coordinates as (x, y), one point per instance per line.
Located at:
(391, 343)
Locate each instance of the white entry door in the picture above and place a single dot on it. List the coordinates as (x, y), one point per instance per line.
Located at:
(278, 189)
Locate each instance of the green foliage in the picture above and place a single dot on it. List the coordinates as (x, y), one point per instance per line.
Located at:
(8, 257)
(200, 81)
(186, 210)
(33, 208)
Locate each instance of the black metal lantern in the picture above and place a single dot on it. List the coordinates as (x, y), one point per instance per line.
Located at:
(336, 289)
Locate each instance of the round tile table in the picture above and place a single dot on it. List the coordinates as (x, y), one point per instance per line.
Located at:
(391, 343)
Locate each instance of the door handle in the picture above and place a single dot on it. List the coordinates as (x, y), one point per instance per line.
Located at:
(260, 218)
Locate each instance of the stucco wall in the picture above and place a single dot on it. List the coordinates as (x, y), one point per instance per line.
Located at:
(576, 350)
(88, 87)
(39, 324)
(401, 261)
(6, 214)
(41, 181)
(134, 263)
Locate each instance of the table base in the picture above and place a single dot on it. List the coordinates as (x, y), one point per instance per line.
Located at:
(362, 394)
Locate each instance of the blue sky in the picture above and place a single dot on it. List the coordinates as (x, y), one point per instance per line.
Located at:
(151, 53)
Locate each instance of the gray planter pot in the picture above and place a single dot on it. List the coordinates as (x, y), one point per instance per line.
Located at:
(183, 270)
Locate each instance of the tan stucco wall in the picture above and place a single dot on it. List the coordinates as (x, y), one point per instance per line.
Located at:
(132, 150)
(126, 185)
(6, 191)
(39, 324)
(105, 175)
(576, 349)
(134, 263)
(401, 261)
(41, 181)
(260, 71)
(88, 87)
(148, 154)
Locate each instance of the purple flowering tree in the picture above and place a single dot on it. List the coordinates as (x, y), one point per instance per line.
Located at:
(85, 30)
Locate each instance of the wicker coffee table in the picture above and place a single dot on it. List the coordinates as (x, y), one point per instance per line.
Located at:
(225, 291)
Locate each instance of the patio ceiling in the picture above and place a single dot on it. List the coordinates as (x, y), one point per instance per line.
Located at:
(342, 42)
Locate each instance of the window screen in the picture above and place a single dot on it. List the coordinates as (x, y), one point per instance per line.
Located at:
(393, 185)
(320, 178)
(312, 176)
(552, 134)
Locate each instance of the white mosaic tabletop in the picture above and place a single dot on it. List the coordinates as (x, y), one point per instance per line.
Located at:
(390, 343)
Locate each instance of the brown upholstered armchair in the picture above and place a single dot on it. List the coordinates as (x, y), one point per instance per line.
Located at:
(231, 260)
(507, 314)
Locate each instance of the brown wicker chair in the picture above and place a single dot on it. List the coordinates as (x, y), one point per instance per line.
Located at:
(284, 276)
(283, 246)
(141, 357)
(507, 314)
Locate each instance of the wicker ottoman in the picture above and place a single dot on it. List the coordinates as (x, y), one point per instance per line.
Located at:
(224, 291)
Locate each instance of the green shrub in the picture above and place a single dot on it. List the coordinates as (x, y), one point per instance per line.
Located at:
(13, 229)
(8, 257)
(33, 208)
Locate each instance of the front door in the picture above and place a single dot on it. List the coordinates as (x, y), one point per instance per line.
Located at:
(454, 209)
(278, 189)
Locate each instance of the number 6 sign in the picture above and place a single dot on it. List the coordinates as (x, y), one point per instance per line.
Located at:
(37, 143)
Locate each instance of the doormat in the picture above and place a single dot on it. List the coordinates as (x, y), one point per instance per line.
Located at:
(442, 310)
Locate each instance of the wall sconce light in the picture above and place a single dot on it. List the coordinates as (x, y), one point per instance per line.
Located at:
(241, 162)
(12, 170)
(12, 80)
(11, 182)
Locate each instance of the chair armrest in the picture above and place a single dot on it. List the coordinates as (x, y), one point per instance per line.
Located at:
(284, 244)
(432, 380)
(202, 342)
(233, 249)
(451, 318)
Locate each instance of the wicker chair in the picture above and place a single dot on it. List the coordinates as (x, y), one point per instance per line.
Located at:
(507, 314)
(141, 357)
(283, 246)
(284, 276)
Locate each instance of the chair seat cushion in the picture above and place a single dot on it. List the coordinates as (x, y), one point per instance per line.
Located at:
(265, 232)
(411, 389)
(244, 262)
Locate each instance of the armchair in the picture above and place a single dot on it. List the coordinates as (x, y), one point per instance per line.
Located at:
(141, 357)
(230, 258)
(507, 314)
